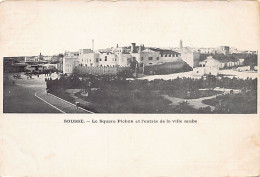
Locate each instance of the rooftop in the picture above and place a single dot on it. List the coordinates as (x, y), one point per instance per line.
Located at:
(164, 51)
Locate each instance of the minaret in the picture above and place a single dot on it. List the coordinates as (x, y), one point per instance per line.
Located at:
(92, 44)
(180, 45)
(40, 56)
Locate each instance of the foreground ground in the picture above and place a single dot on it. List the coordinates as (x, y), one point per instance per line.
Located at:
(29, 96)
(107, 95)
(18, 99)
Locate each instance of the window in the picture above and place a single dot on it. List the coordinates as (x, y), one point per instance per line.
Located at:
(105, 58)
(100, 59)
(161, 55)
(150, 63)
(96, 59)
(165, 55)
(142, 58)
(157, 58)
(150, 58)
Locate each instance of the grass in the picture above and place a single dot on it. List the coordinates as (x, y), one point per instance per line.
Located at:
(127, 101)
(63, 95)
(243, 103)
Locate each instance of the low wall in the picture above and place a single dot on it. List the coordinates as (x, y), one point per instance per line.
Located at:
(167, 68)
(99, 70)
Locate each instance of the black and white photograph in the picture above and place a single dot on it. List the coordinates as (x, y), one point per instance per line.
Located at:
(179, 58)
(129, 88)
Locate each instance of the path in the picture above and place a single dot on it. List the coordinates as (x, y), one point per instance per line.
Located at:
(195, 103)
(61, 105)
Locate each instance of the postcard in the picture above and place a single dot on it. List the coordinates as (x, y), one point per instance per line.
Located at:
(129, 88)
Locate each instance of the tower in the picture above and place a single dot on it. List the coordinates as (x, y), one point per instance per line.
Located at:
(92, 44)
(180, 45)
(40, 56)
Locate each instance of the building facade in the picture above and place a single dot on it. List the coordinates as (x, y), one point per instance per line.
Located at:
(118, 57)
(191, 58)
(208, 67)
(70, 60)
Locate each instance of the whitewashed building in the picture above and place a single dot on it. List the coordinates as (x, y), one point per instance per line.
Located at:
(209, 67)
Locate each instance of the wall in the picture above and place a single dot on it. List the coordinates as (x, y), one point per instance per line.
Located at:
(212, 70)
(73, 54)
(118, 50)
(199, 71)
(69, 64)
(144, 58)
(124, 59)
(166, 68)
(99, 70)
(171, 58)
(84, 51)
(191, 58)
(89, 59)
(107, 59)
(98, 59)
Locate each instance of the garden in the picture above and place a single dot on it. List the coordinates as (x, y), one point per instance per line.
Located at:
(114, 94)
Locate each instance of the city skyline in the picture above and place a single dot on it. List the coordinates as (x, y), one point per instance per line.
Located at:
(33, 27)
(174, 48)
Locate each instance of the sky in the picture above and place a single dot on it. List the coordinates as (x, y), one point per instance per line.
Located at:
(31, 27)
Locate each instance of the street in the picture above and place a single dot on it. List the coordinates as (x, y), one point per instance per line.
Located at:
(29, 96)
